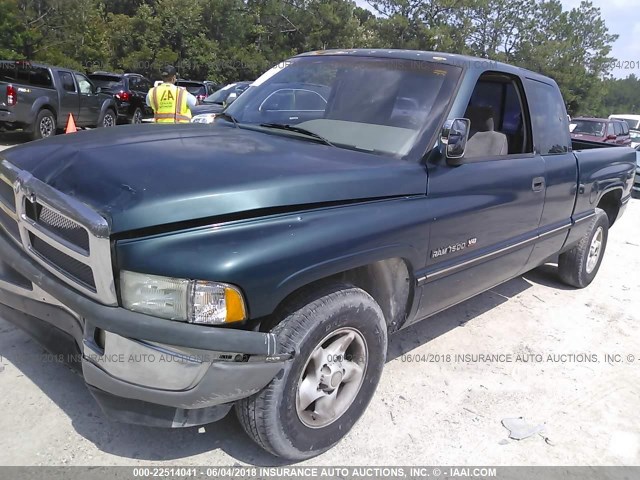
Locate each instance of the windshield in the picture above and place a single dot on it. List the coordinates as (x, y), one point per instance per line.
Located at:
(586, 127)
(633, 124)
(376, 105)
(107, 82)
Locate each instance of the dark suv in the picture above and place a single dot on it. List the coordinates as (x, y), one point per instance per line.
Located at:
(600, 130)
(130, 93)
(198, 89)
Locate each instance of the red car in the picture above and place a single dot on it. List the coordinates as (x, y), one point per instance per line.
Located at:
(600, 130)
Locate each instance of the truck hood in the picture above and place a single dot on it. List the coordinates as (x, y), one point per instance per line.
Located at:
(152, 175)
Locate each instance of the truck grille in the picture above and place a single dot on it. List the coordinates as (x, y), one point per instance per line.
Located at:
(57, 224)
(63, 235)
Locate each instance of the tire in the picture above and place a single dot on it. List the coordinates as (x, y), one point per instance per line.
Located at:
(109, 119)
(579, 266)
(336, 315)
(45, 125)
(136, 117)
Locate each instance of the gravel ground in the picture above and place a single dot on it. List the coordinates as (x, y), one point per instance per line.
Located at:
(436, 409)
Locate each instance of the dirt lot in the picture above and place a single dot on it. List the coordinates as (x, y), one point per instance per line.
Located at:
(431, 410)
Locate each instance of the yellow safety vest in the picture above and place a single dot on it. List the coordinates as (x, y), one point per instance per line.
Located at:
(169, 104)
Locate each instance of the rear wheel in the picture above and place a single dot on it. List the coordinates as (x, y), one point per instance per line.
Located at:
(579, 266)
(109, 119)
(339, 337)
(45, 125)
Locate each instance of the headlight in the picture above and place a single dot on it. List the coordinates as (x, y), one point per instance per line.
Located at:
(192, 301)
(204, 118)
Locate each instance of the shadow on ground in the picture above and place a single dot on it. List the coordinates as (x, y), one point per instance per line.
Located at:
(9, 139)
(69, 392)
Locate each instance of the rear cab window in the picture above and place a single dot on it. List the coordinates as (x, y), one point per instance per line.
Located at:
(549, 118)
(25, 74)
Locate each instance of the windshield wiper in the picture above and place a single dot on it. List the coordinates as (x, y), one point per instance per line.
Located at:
(300, 130)
(228, 117)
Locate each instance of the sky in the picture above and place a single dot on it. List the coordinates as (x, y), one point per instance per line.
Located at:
(621, 18)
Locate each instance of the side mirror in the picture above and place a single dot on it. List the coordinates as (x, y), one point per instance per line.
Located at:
(612, 137)
(455, 134)
(98, 90)
(230, 99)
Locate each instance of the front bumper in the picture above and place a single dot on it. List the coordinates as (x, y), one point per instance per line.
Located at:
(636, 181)
(139, 368)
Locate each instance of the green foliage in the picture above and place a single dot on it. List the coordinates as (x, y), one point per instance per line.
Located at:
(226, 40)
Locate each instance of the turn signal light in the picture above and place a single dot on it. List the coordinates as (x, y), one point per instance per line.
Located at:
(12, 97)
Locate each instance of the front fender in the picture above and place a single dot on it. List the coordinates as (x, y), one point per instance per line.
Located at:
(271, 257)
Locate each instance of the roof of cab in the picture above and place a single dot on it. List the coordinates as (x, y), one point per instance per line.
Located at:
(440, 57)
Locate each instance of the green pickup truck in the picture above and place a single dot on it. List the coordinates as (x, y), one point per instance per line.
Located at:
(261, 262)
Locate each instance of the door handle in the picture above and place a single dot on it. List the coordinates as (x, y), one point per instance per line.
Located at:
(537, 185)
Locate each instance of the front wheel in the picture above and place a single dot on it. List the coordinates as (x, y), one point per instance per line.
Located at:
(339, 340)
(579, 266)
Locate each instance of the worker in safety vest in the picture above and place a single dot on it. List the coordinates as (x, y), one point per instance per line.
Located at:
(170, 104)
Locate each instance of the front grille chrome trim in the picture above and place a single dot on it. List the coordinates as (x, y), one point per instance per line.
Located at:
(98, 258)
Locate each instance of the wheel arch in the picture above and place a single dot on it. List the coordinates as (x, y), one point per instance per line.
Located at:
(42, 103)
(611, 202)
(389, 281)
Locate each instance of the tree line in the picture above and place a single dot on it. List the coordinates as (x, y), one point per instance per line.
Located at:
(227, 40)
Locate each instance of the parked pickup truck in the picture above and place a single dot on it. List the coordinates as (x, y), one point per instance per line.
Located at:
(263, 265)
(39, 98)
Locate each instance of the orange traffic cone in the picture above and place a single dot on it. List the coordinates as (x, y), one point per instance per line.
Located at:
(71, 125)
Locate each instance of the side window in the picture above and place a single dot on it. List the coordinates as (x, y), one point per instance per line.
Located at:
(66, 79)
(85, 86)
(145, 85)
(134, 83)
(549, 118)
(617, 128)
(499, 121)
(625, 128)
(306, 100)
(279, 100)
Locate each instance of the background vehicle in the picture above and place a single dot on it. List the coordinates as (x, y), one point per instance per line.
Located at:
(601, 130)
(218, 101)
(198, 89)
(264, 265)
(39, 98)
(636, 182)
(633, 121)
(294, 103)
(130, 93)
